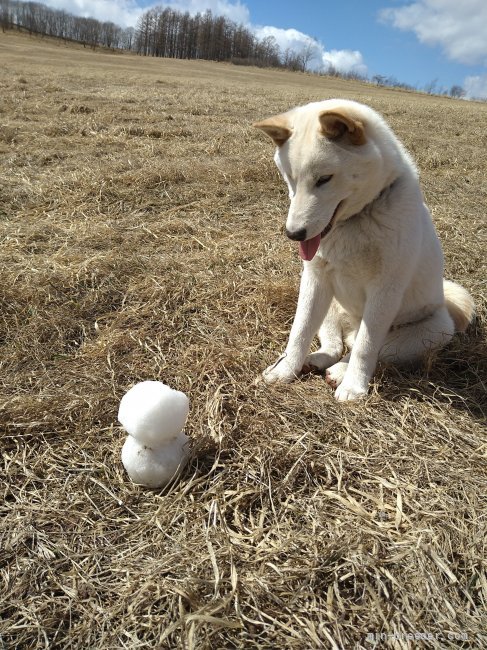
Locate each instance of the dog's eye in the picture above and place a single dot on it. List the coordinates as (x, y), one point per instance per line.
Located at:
(322, 180)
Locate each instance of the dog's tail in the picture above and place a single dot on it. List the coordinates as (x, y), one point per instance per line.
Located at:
(459, 304)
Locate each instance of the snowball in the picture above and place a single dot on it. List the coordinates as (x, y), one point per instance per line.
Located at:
(155, 467)
(153, 413)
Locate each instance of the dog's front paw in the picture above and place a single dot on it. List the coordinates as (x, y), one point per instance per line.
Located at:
(348, 391)
(281, 371)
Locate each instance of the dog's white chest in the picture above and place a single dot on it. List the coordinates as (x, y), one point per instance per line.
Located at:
(348, 265)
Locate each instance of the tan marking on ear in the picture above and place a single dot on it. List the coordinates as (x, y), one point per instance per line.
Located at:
(277, 128)
(336, 123)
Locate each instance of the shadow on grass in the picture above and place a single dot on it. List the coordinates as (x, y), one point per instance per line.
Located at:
(454, 377)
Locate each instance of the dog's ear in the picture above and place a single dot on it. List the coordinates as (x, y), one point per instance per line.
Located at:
(277, 128)
(335, 124)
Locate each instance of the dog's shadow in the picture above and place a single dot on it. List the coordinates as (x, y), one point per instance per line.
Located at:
(454, 377)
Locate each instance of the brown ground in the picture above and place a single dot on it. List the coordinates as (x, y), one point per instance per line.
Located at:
(141, 221)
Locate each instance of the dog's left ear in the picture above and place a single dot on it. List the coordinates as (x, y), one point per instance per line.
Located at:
(277, 128)
(335, 124)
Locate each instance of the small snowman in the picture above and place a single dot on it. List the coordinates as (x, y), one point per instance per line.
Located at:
(156, 448)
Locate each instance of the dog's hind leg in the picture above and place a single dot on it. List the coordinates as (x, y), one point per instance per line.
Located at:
(336, 373)
(410, 343)
(331, 340)
(404, 345)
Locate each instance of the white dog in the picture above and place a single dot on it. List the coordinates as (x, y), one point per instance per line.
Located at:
(373, 265)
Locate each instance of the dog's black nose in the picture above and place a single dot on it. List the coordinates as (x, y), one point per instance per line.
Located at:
(296, 235)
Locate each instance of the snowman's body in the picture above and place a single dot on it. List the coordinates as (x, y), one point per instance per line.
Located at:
(154, 467)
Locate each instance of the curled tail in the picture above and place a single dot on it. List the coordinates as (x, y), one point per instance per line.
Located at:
(459, 304)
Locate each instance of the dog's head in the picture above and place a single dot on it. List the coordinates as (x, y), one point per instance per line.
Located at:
(327, 154)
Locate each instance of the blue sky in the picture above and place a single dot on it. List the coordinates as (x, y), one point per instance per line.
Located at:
(416, 41)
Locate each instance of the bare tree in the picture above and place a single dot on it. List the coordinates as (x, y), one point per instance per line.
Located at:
(307, 54)
(431, 87)
(6, 21)
(291, 60)
(457, 91)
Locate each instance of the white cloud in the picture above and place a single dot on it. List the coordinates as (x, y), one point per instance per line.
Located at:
(121, 12)
(458, 26)
(293, 40)
(319, 58)
(285, 37)
(235, 10)
(345, 61)
(126, 12)
(476, 87)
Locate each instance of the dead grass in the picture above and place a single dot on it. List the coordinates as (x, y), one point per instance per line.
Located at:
(142, 237)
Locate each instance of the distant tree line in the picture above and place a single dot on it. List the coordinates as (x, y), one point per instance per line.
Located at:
(159, 32)
(36, 18)
(431, 88)
(170, 33)
(166, 32)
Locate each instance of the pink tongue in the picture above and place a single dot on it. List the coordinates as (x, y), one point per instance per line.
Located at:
(308, 248)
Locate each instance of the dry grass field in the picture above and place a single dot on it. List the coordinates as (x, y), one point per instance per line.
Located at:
(142, 237)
